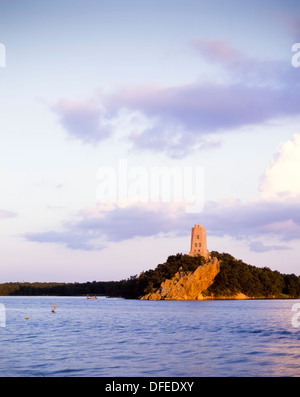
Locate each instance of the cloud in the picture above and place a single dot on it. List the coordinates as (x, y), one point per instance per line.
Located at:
(282, 179)
(210, 107)
(294, 26)
(69, 238)
(218, 50)
(95, 227)
(254, 219)
(136, 220)
(274, 214)
(247, 70)
(173, 139)
(83, 120)
(258, 246)
(180, 119)
(291, 24)
(5, 214)
(258, 219)
(188, 117)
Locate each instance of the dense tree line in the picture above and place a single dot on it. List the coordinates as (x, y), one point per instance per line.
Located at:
(150, 280)
(234, 277)
(107, 288)
(134, 287)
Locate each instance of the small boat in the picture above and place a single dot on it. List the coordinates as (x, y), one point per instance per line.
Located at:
(91, 297)
(53, 308)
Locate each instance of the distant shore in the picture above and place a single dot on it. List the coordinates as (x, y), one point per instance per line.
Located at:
(181, 277)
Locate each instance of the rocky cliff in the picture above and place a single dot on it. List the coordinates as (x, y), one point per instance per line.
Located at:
(187, 286)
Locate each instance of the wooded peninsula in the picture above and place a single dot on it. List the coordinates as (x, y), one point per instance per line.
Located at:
(234, 277)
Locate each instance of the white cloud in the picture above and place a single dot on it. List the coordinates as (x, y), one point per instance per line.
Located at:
(281, 180)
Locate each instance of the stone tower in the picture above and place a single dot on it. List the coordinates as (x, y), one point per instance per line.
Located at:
(198, 241)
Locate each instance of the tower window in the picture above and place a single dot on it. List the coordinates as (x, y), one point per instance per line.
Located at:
(195, 244)
(198, 236)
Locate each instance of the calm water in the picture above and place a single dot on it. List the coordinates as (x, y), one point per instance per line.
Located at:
(116, 337)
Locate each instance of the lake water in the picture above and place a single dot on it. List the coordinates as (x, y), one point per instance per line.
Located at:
(117, 337)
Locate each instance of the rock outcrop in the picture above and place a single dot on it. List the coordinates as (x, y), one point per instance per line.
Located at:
(187, 286)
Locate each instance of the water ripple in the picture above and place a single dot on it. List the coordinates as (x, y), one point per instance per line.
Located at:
(115, 337)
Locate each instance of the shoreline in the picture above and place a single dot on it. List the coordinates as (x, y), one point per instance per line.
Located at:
(203, 298)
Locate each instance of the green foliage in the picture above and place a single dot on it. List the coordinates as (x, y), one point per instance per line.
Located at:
(132, 288)
(234, 277)
(150, 280)
(109, 288)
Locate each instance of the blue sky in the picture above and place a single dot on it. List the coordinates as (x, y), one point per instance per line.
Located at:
(177, 83)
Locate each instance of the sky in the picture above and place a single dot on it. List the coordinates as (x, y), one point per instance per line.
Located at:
(124, 123)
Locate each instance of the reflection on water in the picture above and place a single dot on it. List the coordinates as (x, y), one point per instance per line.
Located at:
(116, 337)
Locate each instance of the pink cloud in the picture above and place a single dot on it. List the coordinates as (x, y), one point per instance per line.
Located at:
(295, 27)
(217, 51)
(291, 23)
(4, 214)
